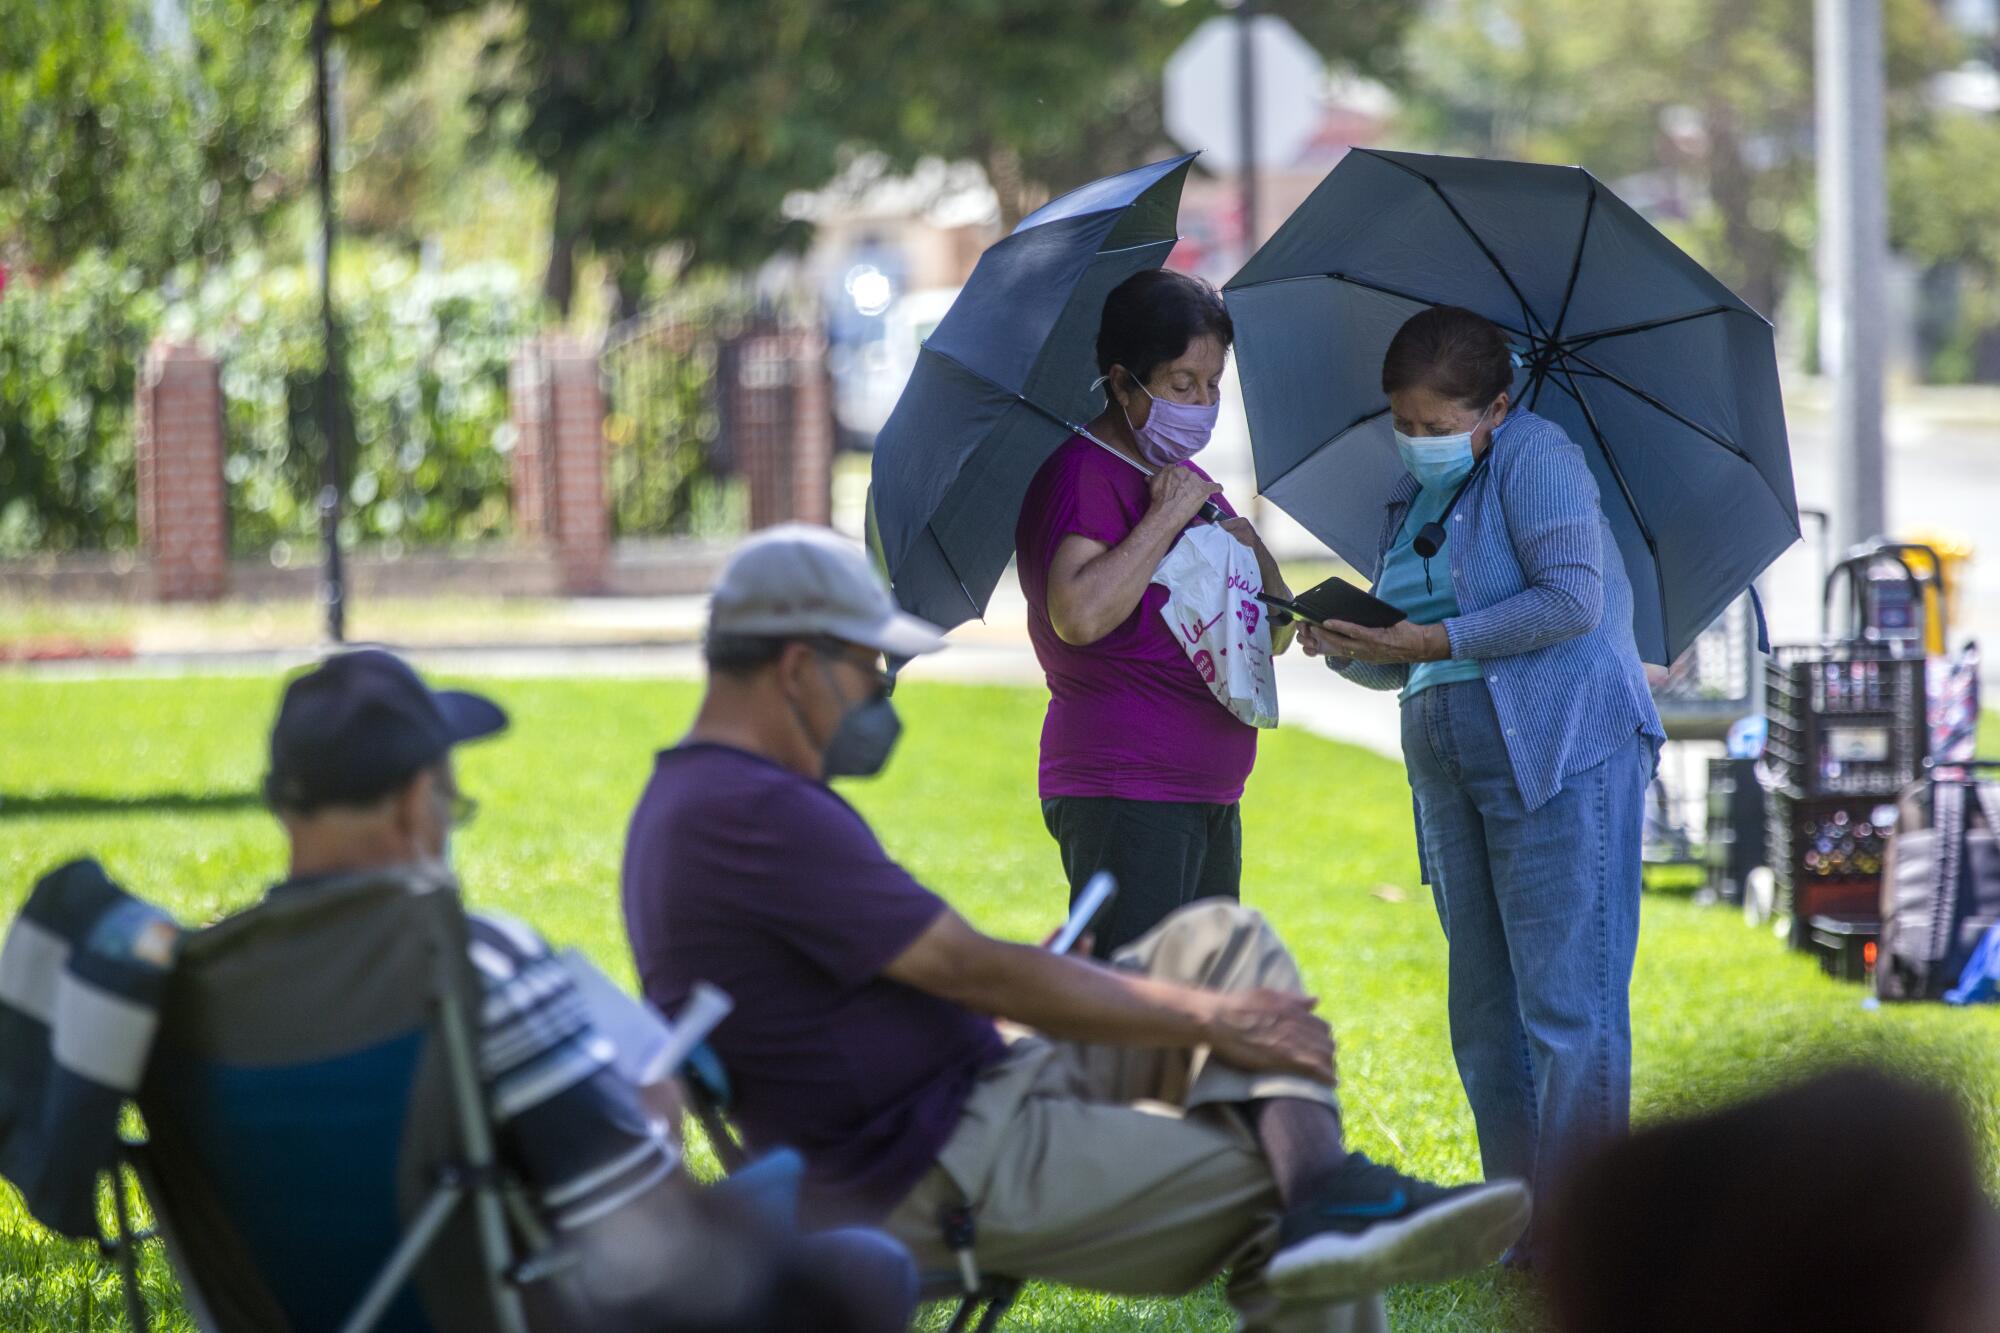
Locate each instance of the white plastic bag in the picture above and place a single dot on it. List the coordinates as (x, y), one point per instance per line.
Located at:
(1212, 582)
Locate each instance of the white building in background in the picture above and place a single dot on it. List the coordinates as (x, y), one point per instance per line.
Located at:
(888, 253)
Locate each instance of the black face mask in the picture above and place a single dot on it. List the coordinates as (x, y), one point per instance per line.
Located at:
(863, 739)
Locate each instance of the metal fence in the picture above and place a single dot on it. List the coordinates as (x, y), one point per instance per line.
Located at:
(705, 420)
(670, 471)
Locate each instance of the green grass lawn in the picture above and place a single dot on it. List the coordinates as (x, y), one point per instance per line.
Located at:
(158, 779)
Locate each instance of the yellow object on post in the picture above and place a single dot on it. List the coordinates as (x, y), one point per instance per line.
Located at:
(1943, 581)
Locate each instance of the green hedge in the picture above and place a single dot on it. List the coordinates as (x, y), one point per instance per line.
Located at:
(426, 365)
(69, 355)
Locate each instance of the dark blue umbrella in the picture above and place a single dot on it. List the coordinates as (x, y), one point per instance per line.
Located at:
(1664, 377)
(1002, 382)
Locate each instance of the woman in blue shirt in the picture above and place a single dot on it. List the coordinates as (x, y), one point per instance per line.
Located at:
(1529, 736)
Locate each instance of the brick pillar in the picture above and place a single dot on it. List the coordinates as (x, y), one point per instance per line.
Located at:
(781, 419)
(812, 430)
(183, 501)
(559, 459)
(759, 419)
(528, 406)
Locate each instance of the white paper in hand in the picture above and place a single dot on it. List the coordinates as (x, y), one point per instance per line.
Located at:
(645, 1046)
(706, 1006)
(634, 1028)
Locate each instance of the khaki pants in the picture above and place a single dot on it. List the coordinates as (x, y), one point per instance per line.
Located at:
(1126, 1170)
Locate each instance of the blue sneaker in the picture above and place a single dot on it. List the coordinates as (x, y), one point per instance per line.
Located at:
(1373, 1227)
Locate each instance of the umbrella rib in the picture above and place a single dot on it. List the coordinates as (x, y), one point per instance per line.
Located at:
(978, 611)
(1015, 394)
(1365, 285)
(1140, 245)
(1527, 315)
(1594, 371)
(1611, 460)
(1625, 489)
(1576, 260)
(1310, 454)
(1592, 368)
(1583, 340)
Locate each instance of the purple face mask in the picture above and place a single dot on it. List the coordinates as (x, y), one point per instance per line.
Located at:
(1174, 432)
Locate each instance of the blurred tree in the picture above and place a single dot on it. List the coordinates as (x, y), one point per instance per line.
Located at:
(685, 123)
(159, 133)
(676, 123)
(1046, 94)
(1705, 106)
(1944, 193)
(415, 170)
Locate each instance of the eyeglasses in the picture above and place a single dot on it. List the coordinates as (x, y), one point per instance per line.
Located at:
(842, 651)
(463, 807)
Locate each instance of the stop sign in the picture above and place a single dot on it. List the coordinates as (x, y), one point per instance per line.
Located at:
(1202, 106)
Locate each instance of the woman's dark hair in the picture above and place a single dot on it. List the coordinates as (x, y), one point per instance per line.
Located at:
(1451, 351)
(1151, 317)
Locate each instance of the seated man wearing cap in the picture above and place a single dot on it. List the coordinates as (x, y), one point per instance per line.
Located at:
(1170, 1115)
(361, 777)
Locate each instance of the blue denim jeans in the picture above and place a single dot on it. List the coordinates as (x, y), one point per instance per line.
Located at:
(1541, 917)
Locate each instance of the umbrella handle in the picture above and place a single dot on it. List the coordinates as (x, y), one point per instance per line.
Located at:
(1210, 511)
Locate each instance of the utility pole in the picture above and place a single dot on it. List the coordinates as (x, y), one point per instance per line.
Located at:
(1853, 254)
(1246, 121)
(333, 589)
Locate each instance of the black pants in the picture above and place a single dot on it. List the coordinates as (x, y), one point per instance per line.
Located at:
(1165, 854)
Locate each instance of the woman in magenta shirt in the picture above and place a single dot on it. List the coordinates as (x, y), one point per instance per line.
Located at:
(1142, 767)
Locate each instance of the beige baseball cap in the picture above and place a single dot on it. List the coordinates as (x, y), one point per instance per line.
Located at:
(799, 580)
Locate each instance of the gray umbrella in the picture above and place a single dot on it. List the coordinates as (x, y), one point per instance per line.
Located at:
(1664, 377)
(1002, 381)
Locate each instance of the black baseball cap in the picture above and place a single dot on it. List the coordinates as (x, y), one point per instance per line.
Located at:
(362, 723)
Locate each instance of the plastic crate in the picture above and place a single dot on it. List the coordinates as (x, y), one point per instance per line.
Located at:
(1827, 854)
(1846, 946)
(1846, 720)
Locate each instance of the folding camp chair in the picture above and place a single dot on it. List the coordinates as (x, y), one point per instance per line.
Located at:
(319, 1153)
(982, 1298)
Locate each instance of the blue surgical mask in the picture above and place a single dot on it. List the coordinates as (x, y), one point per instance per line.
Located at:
(1436, 461)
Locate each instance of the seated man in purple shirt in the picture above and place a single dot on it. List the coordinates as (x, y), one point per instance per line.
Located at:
(1170, 1115)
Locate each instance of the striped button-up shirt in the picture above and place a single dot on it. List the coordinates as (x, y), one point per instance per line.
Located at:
(1544, 605)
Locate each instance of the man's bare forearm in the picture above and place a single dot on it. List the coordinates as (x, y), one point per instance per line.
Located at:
(1070, 999)
(1083, 1001)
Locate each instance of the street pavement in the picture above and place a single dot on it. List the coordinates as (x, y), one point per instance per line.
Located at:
(995, 651)
(1944, 464)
